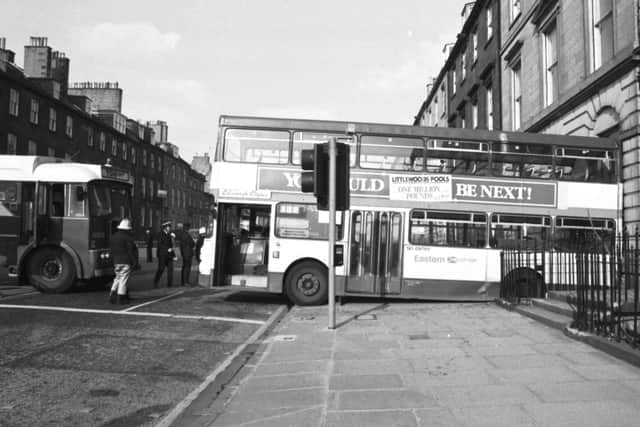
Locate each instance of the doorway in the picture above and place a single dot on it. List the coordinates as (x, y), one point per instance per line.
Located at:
(243, 245)
(375, 253)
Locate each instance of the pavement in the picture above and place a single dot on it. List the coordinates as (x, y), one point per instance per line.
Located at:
(418, 364)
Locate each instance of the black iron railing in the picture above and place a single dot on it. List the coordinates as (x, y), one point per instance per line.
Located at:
(599, 274)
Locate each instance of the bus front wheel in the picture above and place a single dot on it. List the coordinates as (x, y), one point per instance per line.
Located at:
(306, 284)
(51, 270)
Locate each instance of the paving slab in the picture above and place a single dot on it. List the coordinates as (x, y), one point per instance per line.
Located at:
(585, 414)
(423, 364)
(396, 418)
(364, 382)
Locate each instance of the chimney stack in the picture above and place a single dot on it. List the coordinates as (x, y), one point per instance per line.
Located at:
(6, 55)
(37, 58)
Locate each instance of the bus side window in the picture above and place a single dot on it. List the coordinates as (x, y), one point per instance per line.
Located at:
(57, 200)
(76, 200)
(28, 199)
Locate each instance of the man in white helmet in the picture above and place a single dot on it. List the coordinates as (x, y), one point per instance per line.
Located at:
(125, 256)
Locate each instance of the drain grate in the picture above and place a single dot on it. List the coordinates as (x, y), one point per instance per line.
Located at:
(366, 317)
(284, 338)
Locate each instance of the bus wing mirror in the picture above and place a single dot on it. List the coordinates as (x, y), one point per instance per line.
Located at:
(80, 193)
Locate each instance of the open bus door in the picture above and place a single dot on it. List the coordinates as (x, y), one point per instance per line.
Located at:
(375, 253)
(9, 229)
(242, 238)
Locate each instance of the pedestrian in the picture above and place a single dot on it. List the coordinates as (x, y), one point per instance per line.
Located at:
(148, 237)
(199, 242)
(125, 258)
(186, 249)
(165, 254)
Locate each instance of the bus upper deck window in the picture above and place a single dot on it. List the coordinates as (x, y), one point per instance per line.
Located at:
(256, 146)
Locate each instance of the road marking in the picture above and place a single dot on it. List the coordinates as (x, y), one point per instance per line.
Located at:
(152, 301)
(133, 313)
(182, 406)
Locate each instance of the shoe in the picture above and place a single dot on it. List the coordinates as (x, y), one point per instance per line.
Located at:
(122, 299)
(112, 297)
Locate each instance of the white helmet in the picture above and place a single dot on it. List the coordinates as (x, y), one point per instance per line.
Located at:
(125, 224)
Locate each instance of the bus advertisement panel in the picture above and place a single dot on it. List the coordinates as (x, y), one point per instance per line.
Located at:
(431, 208)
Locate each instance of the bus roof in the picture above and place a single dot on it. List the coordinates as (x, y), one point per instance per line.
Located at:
(52, 169)
(417, 131)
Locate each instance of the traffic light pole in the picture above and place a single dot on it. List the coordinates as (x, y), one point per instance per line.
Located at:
(332, 232)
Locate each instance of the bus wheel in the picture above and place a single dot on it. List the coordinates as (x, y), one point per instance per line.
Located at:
(51, 270)
(524, 283)
(306, 284)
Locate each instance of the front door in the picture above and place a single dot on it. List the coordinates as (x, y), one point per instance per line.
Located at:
(242, 245)
(375, 252)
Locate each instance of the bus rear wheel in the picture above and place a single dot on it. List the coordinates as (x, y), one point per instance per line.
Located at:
(307, 284)
(51, 270)
(523, 283)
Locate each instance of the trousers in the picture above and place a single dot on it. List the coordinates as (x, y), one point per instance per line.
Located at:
(122, 277)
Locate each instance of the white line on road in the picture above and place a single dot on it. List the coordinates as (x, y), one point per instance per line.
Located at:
(155, 300)
(133, 313)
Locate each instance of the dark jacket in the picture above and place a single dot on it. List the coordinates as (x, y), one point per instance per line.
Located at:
(148, 238)
(186, 245)
(123, 248)
(165, 242)
(199, 244)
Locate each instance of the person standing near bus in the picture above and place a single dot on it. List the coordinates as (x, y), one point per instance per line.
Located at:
(148, 237)
(186, 249)
(200, 242)
(165, 254)
(125, 257)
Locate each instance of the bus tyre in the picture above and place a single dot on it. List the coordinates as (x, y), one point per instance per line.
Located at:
(307, 284)
(51, 270)
(524, 283)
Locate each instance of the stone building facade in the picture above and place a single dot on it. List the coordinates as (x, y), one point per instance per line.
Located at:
(571, 67)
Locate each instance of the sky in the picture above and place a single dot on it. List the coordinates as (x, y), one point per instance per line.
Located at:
(188, 62)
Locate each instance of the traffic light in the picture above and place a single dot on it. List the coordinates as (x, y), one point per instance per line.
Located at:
(342, 176)
(315, 179)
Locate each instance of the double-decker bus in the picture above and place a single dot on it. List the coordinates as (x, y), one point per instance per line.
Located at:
(431, 208)
(56, 218)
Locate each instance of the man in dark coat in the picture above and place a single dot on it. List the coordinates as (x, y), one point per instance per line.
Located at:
(165, 254)
(148, 238)
(200, 242)
(125, 257)
(186, 249)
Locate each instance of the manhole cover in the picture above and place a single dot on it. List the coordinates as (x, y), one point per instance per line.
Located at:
(366, 317)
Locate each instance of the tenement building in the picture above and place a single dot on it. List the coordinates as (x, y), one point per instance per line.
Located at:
(466, 92)
(41, 114)
(571, 67)
(566, 67)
